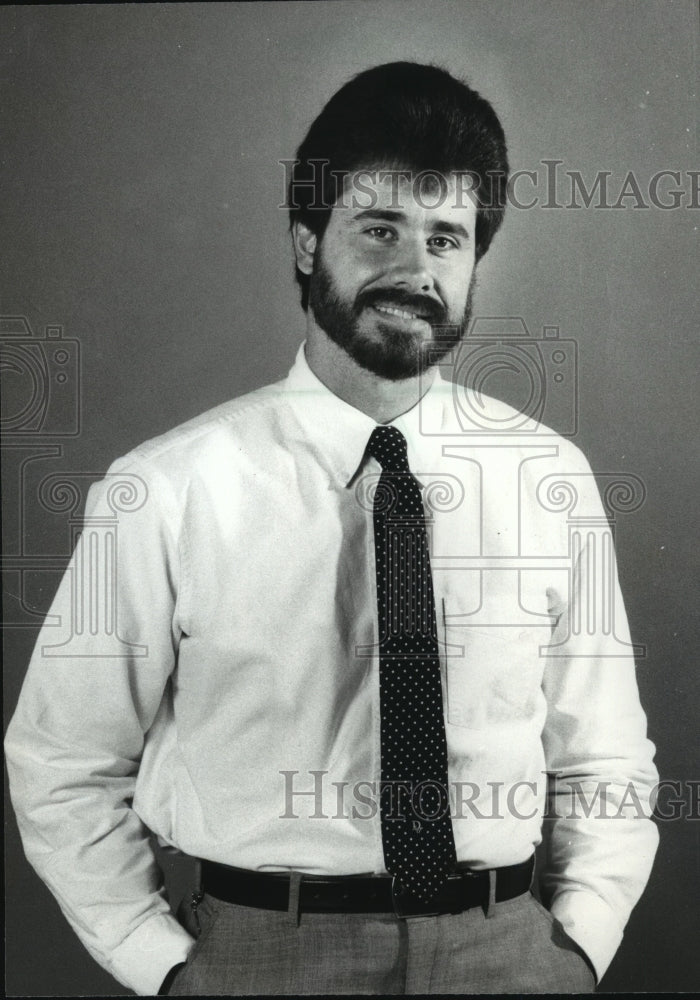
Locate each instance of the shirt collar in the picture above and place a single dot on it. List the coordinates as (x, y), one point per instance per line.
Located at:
(340, 432)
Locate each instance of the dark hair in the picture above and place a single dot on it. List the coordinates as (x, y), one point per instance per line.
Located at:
(407, 116)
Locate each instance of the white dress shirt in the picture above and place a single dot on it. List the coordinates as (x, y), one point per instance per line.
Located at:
(214, 653)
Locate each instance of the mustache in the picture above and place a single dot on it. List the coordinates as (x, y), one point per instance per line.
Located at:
(422, 305)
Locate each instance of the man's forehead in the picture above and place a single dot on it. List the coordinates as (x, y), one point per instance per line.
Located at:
(403, 189)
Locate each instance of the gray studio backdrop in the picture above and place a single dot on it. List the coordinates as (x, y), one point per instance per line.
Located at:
(141, 193)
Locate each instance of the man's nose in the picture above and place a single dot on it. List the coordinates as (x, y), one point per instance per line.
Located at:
(412, 267)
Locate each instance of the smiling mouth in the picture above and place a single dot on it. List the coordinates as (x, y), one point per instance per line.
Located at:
(401, 313)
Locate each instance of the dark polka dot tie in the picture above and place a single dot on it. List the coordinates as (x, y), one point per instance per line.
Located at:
(414, 803)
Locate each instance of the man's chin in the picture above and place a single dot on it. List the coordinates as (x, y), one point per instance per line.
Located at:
(394, 358)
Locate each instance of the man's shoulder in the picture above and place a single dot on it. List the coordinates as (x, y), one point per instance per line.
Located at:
(472, 416)
(211, 437)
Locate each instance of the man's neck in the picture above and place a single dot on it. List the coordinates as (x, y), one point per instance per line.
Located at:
(381, 399)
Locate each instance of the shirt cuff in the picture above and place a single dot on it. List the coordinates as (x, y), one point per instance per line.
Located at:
(591, 923)
(145, 957)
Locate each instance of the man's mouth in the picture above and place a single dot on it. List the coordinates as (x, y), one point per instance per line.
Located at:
(401, 313)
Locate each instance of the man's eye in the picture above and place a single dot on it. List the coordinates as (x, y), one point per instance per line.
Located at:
(443, 242)
(381, 233)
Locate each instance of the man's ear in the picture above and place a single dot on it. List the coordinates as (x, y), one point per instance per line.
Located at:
(305, 244)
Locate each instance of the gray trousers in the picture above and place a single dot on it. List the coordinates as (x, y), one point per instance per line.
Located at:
(514, 947)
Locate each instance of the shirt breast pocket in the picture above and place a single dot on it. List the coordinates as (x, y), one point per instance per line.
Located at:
(493, 675)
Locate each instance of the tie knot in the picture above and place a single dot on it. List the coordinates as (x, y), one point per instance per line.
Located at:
(388, 446)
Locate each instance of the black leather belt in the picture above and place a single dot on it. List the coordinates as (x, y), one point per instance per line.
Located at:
(361, 893)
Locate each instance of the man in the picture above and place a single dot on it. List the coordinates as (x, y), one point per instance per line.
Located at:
(354, 649)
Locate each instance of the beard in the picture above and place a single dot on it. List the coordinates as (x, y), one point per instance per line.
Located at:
(395, 354)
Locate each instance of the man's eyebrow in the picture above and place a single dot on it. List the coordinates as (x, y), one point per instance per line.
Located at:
(380, 214)
(454, 228)
(388, 215)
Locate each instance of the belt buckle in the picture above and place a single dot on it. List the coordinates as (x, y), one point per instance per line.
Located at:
(406, 905)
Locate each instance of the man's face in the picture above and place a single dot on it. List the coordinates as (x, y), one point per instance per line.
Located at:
(396, 259)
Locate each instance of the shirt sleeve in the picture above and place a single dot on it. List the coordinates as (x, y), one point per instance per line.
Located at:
(99, 674)
(599, 836)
